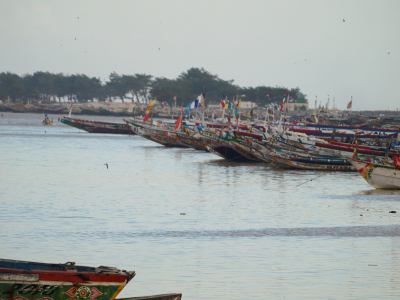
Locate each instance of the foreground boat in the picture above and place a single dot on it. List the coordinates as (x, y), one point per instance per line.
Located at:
(379, 176)
(97, 126)
(23, 280)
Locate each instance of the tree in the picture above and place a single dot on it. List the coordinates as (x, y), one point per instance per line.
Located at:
(115, 86)
(45, 86)
(11, 87)
(144, 82)
(165, 89)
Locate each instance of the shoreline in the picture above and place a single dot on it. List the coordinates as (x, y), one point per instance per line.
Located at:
(129, 109)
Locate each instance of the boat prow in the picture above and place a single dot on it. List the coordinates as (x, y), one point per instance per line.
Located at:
(25, 280)
(379, 176)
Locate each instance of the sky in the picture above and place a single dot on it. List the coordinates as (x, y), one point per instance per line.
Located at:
(328, 48)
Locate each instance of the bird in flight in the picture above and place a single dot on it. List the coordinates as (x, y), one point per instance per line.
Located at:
(106, 164)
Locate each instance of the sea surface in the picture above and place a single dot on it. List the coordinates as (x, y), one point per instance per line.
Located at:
(190, 222)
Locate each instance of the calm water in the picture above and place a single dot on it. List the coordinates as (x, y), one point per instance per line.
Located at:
(190, 222)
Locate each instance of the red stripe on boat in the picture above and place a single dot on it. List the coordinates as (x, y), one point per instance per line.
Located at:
(71, 276)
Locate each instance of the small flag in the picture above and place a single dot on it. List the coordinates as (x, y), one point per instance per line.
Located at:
(201, 100)
(178, 123)
(350, 104)
(148, 110)
(238, 104)
(396, 160)
(230, 105)
(222, 103)
(282, 106)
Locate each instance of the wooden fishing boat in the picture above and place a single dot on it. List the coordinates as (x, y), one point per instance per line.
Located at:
(193, 140)
(260, 150)
(23, 280)
(97, 126)
(349, 127)
(345, 134)
(311, 163)
(163, 136)
(379, 176)
(253, 145)
(231, 150)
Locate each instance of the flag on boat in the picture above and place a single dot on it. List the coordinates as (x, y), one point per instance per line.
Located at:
(148, 110)
(237, 109)
(238, 104)
(188, 108)
(230, 105)
(222, 103)
(282, 106)
(350, 104)
(201, 100)
(178, 123)
(237, 113)
(396, 160)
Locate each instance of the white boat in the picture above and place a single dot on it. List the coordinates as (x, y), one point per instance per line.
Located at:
(379, 176)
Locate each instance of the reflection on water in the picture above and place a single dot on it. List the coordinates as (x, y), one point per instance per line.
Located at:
(192, 222)
(395, 193)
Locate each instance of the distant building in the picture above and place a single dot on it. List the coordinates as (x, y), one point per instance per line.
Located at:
(297, 105)
(247, 104)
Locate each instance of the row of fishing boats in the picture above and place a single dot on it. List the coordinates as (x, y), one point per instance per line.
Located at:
(373, 152)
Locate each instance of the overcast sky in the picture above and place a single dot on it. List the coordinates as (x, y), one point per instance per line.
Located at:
(336, 48)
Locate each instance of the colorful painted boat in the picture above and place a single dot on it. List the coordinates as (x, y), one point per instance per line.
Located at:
(97, 126)
(379, 176)
(23, 280)
(311, 163)
(193, 140)
(350, 127)
(232, 150)
(163, 136)
(348, 134)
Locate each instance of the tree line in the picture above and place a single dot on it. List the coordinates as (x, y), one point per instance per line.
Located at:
(49, 87)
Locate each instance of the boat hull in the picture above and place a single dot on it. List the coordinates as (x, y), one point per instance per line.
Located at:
(302, 165)
(231, 151)
(378, 176)
(97, 126)
(161, 136)
(39, 281)
(192, 141)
